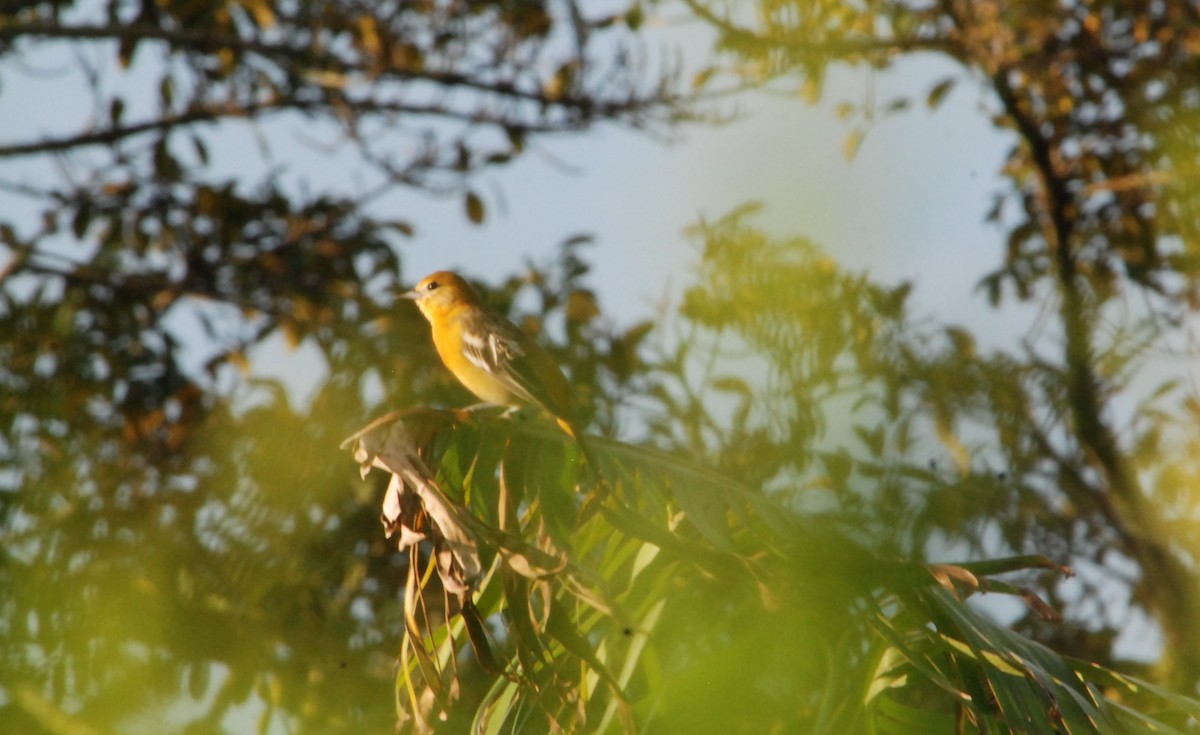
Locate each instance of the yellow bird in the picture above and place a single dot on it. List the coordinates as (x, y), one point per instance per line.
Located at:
(488, 354)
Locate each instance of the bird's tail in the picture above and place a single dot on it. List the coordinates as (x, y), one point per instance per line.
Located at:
(585, 448)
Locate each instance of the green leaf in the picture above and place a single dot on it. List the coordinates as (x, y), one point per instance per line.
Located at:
(702, 77)
(473, 206)
(852, 143)
(895, 718)
(635, 16)
(939, 91)
(496, 707)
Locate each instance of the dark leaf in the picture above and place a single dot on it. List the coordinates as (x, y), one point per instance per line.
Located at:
(474, 207)
(937, 94)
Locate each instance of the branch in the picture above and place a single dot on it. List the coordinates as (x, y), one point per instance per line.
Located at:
(362, 107)
(113, 135)
(306, 57)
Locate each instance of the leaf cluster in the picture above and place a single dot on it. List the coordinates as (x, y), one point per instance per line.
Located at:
(671, 598)
(1098, 223)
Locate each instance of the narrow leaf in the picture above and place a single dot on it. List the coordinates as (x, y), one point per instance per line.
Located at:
(938, 94)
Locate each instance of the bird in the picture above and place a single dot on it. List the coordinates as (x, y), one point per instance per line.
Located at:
(490, 355)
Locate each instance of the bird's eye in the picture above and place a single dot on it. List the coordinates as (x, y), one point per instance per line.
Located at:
(431, 286)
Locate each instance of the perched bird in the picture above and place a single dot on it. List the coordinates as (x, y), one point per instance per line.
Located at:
(488, 354)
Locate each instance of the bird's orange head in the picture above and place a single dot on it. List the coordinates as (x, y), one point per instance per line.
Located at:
(441, 292)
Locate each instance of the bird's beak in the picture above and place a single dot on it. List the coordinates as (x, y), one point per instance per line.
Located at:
(410, 295)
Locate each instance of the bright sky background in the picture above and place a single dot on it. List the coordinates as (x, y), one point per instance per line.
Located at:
(910, 206)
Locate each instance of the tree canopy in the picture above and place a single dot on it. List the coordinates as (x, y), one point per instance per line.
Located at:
(1102, 103)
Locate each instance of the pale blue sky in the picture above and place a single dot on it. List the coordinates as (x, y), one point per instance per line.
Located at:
(910, 206)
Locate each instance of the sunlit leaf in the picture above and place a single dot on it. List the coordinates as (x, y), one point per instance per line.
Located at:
(852, 142)
(702, 77)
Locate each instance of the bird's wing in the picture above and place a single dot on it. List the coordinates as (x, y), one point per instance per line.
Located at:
(519, 363)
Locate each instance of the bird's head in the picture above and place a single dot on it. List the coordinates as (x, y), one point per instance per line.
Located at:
(440, 292)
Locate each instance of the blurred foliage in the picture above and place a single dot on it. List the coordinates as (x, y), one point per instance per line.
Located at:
(216, 563)
(668, 598)
(1063, 445)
